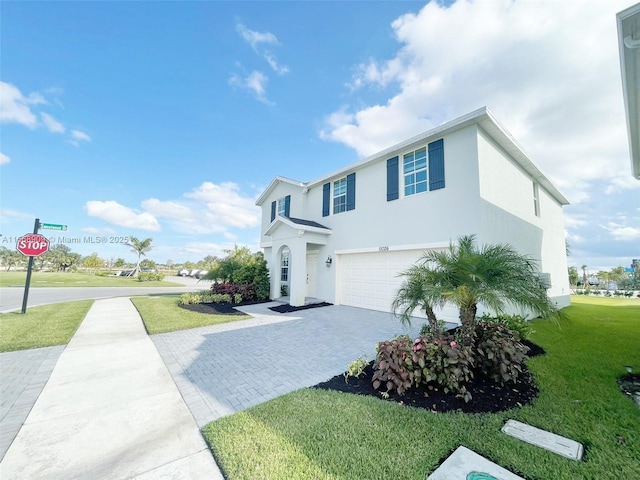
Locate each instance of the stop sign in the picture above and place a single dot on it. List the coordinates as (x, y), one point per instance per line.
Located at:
(32, 244)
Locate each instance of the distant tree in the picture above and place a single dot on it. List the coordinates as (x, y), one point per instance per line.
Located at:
(617, 274)
(207, 263)
(93, 261)
(140, 248)
(584, 276)
(147, 263)
(11, 258)
(189, 265)
(62, 258)
(573, 276)
(567, 248)
(170, 263)
(119, 263)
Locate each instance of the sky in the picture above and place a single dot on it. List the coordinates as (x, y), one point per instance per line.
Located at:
(168, 119)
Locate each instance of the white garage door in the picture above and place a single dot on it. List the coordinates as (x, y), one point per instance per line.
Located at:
(370, 280)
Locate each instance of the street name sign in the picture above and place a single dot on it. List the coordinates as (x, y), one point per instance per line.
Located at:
(53, 226)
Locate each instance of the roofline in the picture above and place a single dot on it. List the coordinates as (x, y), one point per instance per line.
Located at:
(296, 226)
(276, 181)
(482, 117)
(483, 114)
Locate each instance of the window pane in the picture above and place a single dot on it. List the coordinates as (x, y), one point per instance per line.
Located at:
(421, 187)
(409, 190)
(421, 176)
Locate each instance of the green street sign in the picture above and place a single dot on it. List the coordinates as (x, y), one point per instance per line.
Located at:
(53, 226)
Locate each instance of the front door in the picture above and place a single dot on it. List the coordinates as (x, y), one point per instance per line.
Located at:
(312, 267)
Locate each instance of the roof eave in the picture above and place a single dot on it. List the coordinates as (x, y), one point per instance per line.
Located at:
(629, 27)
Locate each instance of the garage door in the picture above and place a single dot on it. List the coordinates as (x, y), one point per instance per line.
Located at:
(370, 280)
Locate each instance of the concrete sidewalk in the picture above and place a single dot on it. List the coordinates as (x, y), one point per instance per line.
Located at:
(109, 410)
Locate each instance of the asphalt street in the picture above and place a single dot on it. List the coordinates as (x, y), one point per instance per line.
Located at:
(11, 297)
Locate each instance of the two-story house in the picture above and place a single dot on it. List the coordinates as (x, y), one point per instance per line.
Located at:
(344, 238)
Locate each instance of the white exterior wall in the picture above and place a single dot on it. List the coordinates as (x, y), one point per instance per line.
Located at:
(509, 215)
(487, 193)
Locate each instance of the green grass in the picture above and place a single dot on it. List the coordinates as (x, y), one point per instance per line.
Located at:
(68, 279)
(315, 434)
(161, 314)
(43, 326)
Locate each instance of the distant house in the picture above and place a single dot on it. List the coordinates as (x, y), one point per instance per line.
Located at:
(344, 238)
(629, 47)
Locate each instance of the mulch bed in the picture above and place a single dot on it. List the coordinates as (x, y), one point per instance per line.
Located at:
(488, 396)
(286, 308)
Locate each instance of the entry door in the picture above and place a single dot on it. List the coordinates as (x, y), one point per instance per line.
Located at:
(312, 271)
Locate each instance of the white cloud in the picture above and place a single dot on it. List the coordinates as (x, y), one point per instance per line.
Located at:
(51, 123)
(7, 214)
(15, 107)
(254, 38)
(116, 214)
(78, 136)
(4, 159)
(226, 206)
(549, 70)
(622, 232)
(255, 82)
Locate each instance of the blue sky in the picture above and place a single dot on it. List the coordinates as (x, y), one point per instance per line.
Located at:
(168, 119)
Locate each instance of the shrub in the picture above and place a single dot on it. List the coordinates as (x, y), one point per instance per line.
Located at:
(356, 368)
(498, 352)
(403, 363)
(150, 277)
(516, 323)
(425, 331)
(220, 298)
(238, 293)
(190, 299)
(101, 273)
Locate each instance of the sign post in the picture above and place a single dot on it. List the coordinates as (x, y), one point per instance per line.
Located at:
(31, 245)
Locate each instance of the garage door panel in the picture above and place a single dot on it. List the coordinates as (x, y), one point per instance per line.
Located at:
(371, 280)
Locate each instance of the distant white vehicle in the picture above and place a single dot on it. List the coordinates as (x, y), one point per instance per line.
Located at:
(183, 273)
(201, 273)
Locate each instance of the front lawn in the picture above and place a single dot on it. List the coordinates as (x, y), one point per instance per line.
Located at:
(162, 314)
(318, 434)
(43, 326)
(70, 279)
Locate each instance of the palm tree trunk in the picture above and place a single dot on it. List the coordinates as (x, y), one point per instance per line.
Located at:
(468, 320)
(433, 321)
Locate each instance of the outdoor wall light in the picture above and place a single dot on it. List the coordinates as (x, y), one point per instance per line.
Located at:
(329, 261)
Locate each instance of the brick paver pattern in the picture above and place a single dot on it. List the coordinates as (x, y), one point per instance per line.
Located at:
(223, 369)
(23, 375)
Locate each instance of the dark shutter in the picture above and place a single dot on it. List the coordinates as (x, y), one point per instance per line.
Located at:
(325, 199)
(351, 191)
(436, 165)
(287, 206)
(273, 211)
(392, 179)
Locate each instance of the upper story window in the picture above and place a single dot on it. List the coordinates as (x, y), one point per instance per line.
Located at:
(344, 195)
(418, 171)
(536, 199)
(414, 169)
(282, 207)
(340, 195)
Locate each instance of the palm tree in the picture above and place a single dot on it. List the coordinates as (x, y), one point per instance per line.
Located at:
(495, 276)
(139, 247)
(584, 276)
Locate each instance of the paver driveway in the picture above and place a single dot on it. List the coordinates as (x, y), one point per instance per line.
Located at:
(226, 368)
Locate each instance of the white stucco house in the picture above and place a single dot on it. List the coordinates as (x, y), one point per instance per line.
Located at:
(629, 48)
(343, 238)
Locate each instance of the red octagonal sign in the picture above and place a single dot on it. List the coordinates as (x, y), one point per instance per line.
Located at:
(32, 244)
